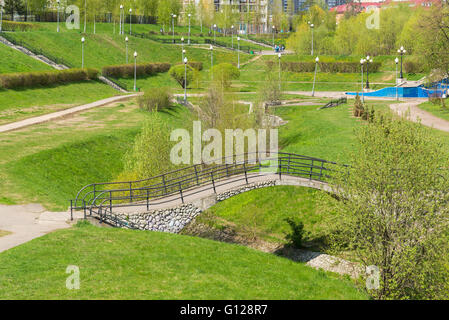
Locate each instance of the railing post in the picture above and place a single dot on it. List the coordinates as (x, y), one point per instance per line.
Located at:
(110, 201)
(213, 182)
(84, 206)
(71, 210)
(244, 169)
(321, 169)
(163, 181)
(288, 164)
(148, 199)
(196, 175)
(311, 171)
(130, 192)
(279, 167)
(180, 191)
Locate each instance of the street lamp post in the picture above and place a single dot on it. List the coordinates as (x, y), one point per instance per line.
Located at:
(1, 15)
(182, 45)
(135, 70)
(215, 28)
(183, 54)
(58, 1)
(189, 15)
(82, 52)
(311, 26)
(279, 56)
(273, 28)
(211, 61)
(238, 52)
(362, 62)
(185, 80)
(173, 16)
(121, 13)
(130, 20)
(232, 35)
(401, 51)
(314, 77)
(396, 61)
(126, 45)
(368, 61)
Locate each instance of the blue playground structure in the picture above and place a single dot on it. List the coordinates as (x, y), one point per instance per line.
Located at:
(437, 89)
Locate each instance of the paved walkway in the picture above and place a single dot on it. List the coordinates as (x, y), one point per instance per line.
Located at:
(63, 113)
(412, 112)
(27, 222)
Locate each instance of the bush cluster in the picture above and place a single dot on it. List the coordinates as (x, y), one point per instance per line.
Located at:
(413, 66)
(178, 73)
(43, 78)
(197, 65)
(17, 26)
(127, 70)
(362, 111)
(330, 67)
(155, 99)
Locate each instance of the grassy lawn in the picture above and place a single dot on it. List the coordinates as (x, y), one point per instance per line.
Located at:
(15, 61)
(30, 102)
(436, 109)
(50, 162)
(125, 264)
(261, 213)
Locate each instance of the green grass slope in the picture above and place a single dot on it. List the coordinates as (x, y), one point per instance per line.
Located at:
(15, 61)
(125, 264)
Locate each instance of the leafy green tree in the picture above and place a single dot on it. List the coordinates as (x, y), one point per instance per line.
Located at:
(393, 211)
(224, 73)
(178, 73)
(14, 6)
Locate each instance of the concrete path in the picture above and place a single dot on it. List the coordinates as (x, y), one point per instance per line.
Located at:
(63, 113)
(412, 112)
(27, 222)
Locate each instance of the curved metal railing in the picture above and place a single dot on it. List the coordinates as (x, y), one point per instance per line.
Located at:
(102, 198)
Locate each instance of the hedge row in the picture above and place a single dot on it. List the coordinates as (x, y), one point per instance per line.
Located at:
(17, 26)
(127, 70)
(197, 65)
(331, 67)
(43, 78)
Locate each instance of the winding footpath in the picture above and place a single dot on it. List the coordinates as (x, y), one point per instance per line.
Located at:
(411, 111)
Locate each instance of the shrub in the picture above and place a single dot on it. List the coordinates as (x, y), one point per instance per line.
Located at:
(142, 69)
(296, 235)
(155, 99)
(178, 73)
(414, 66)
(358, 107)
(17, 26)
(223, 73)
(44, 78)
(328, 67)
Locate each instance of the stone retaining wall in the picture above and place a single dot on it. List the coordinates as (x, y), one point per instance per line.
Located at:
(174, 219)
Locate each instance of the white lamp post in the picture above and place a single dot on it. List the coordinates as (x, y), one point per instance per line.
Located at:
(130, 20)
(82, 52)
(232, 36)
(211, 61)
(215, 28)
(314, 78)
(1, 15)
(401, 51)
(58, 1)
(135, 70)
(173, 16)
(362, 62)
(185, 80)
(126, 45)
(238, 52)
(396, 62)
(182, 45)
(121, 13)
(273, 28)
(311, 26)
(183, 54)
(188, 41)
(279, 56)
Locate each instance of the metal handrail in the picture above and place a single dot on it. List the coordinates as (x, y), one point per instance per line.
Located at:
(178, 183)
